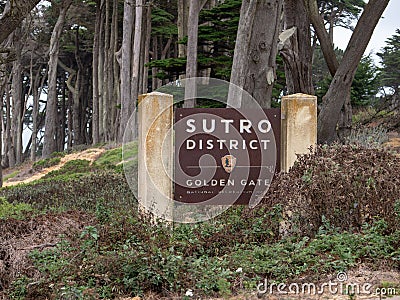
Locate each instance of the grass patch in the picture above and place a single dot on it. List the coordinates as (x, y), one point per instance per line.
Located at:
(46, 163)
(72, 168)
(11, 175)
(113, 159)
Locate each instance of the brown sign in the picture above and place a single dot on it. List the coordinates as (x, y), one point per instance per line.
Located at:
(225, 156)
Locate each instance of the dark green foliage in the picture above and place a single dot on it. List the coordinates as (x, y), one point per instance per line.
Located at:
(321, 76)
(162, 23)
(390, 61)
(134, 257)
(365, 83)
(169, 64)
(217, 35)
(280, 83)
(342, 12)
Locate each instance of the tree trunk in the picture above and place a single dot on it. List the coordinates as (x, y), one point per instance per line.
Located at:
(102, 88)
(191, 61)
(126, 100)
(240, 57)
(297, 51)
(95, 80)
(136, 52)
(17, 99)
(146, 49)
(183, 14)
(323, 36)
(154, 70)
(116, 99)
(254, 60)
(9, 148)
(70, 121)
(13, 16)
(37, 90)
(106, 67)
(50, 142)
(340, 87)
(2, 89)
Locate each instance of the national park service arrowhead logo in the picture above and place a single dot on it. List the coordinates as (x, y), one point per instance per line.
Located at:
(228, 162)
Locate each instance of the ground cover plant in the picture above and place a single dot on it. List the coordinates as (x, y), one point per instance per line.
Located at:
(75, 236)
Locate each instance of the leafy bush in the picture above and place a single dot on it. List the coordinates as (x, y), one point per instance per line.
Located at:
(368, 137)
(135, 257)
(346, 185)
(17, 210)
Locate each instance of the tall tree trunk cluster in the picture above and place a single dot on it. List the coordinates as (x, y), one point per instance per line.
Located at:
(254, 61)
(70, 92)
(50, 144)
(339, 90)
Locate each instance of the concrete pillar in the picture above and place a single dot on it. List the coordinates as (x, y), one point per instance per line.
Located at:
(298, 127)
(155, 165)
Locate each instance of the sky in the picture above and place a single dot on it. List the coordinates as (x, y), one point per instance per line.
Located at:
(385, 28)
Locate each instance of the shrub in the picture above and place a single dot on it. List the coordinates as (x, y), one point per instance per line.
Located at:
(368, 137)
(69, 192)
(17, 210)
(347, 186)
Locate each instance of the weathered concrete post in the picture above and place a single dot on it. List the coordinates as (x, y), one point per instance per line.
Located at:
(155, 165)
(298, 127)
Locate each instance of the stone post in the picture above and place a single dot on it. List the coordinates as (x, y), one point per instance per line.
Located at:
(298, 127)
(155, 154)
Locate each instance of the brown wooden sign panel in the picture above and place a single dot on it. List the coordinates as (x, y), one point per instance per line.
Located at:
(225, 155)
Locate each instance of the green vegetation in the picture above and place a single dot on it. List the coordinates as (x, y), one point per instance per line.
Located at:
(9, 210)
(110, 158)
(72, 168)
(46, 163)
(11, 175)
(117, 252)
(115, 159)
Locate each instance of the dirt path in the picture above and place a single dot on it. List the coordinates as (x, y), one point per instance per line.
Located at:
(26, 174)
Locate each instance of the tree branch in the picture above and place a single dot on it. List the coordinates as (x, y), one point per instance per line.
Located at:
(14, 15)
(323, 37)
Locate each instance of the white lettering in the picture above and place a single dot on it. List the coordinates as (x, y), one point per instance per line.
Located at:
(244, 127)
(190, 144)
(226, 122)
(190, 124)
(261, 129)
(205, 129)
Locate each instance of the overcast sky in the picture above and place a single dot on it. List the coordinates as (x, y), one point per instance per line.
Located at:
(386, 28)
